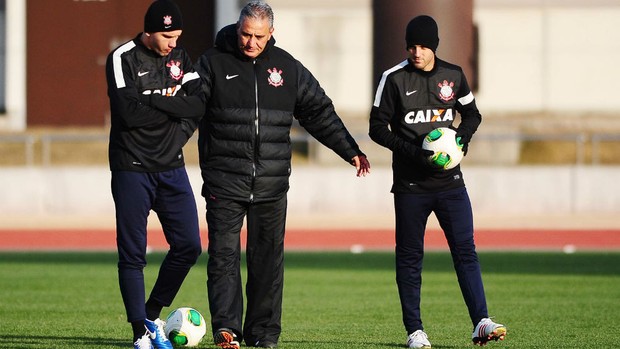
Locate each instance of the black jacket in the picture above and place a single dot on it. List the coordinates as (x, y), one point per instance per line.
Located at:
(408, 104)
(155, 104)
(244, 137)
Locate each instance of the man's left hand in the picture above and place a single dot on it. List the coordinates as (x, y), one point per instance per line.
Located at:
(361, 164)
(463, 137)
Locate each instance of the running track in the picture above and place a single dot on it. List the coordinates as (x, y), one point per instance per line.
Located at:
(326, 239)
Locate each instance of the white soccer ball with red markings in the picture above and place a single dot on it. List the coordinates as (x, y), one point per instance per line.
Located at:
(185, 327)
(448, 151)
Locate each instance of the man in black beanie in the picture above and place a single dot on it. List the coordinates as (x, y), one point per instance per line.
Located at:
(422, 30)
(156, 103)
(163, 16)
(416, 96)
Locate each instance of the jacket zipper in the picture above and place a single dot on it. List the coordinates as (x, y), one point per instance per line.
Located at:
(255, 133)
(428, 90)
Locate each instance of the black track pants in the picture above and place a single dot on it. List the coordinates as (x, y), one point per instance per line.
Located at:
(265, 263)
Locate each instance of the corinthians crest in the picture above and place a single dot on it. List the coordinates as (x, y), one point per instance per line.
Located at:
(167, 20)
(275, 77)
(445, 90)
(175, 71)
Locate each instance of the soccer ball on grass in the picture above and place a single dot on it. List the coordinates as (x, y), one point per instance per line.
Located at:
(448, 150)
(185, 327)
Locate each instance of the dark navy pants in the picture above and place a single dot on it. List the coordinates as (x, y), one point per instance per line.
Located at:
(265, 264)
(454, 213)
(170, 195)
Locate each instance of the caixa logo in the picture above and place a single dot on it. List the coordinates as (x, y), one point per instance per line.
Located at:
(429, 115)
(168, 92)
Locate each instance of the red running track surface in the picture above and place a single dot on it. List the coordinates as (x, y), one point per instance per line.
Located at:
(325, 240)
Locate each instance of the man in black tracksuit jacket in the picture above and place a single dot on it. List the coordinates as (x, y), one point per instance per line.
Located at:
(254, 90)
(414, 97)
(156, 102)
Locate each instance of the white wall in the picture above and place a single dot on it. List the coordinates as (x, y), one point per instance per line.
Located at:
(548, 55)
(38, 193)
(335, 43)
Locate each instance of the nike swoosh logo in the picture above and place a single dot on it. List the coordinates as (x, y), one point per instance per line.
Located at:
(228, 77)
(142, 73)
(409, 93)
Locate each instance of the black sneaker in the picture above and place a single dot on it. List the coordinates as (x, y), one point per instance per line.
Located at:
(266, 344)
(226, 339)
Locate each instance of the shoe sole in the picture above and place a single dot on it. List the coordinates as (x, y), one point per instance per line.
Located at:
(498, 334)
(422, 347)
(225, 340)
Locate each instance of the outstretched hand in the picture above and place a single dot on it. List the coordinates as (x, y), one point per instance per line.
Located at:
(361, 164)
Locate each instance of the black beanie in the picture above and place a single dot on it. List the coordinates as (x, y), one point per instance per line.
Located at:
(422, 30)
(162, 16)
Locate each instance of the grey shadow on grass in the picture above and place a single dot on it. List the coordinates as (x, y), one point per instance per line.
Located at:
(350, 344)
(34, 341)
(505, 262)
(536, 263)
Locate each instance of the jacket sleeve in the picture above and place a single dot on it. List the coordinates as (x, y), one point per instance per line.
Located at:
(315, 112)
(381, 116)
(466, 106)
(188, 103)
(203, 69)
(125, 100)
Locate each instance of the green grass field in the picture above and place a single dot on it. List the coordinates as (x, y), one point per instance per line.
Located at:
(331, 300)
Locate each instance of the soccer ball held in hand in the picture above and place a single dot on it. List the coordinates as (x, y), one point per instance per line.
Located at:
(448, 151)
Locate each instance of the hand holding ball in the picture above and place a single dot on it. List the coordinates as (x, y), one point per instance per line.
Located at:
(448, 151)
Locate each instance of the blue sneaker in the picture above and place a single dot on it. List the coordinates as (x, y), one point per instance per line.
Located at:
(155, 330)
(143, 342)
